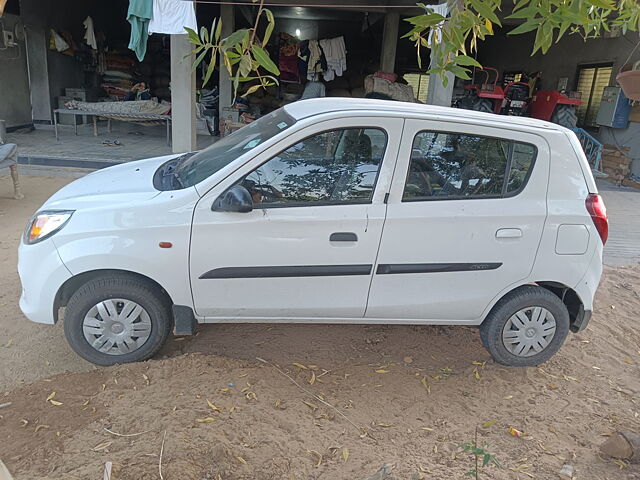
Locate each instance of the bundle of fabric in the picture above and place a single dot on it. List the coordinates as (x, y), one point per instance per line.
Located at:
(115, 91)
(397, 91)
(118, 78)
(119, 62)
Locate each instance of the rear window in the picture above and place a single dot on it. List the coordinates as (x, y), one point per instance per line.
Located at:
(455, 165)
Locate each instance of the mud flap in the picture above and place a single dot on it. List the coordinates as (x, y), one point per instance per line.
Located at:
(184, 320)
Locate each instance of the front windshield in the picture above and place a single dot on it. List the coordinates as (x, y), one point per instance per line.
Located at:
(213, 159)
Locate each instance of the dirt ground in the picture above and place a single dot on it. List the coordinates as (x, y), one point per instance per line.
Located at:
(332, 402)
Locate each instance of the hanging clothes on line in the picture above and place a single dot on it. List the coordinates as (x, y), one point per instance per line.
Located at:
(90, 35)
(441, 9)
(335, 52)
(139, 14)
(172, 16)
(317, 61)
(288, 60)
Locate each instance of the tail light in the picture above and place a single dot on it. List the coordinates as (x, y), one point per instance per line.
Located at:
(598, 212)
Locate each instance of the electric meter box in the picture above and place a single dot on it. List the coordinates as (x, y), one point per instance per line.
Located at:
(614, 109)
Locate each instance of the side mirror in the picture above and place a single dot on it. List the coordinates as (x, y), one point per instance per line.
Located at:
(237, 200)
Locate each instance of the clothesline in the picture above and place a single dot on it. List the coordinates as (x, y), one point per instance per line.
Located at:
(311, 5)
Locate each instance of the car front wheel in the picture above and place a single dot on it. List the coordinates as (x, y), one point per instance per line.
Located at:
(117, 319)
(526, 327)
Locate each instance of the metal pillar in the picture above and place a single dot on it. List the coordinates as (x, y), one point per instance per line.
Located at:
(389, 42)
(183, 95)
(228, 17)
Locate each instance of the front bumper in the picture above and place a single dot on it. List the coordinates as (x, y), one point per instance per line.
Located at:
(42, 273)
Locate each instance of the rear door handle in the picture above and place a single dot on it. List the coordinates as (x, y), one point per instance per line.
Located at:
(509, 233)
(343, 237)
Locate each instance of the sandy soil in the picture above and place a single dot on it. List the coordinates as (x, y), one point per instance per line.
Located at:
(407, 396)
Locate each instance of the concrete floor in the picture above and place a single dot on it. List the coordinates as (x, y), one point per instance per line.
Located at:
(623, 207)
(40, 147)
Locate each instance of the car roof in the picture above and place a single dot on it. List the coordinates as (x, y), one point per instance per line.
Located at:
(317, 106)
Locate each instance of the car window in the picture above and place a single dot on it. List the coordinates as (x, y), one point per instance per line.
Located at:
(333, 167)
(522, 158)
(209, 161)
(453, 165)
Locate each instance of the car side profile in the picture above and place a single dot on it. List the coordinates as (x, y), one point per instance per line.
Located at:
(340, 211)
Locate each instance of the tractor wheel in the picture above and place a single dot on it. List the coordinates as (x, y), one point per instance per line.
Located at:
(565, 115)
(479, 104)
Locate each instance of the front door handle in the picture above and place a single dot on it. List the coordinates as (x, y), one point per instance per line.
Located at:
(509, 233)
(343, 237)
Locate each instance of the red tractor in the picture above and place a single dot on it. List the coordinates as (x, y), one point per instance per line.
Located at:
(486, 97)
(514, 99)
(556, 107)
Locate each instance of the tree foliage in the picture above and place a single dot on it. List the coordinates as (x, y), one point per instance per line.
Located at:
(244, 54)
(456, 37)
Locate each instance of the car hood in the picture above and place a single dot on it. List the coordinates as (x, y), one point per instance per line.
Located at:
(127, 182)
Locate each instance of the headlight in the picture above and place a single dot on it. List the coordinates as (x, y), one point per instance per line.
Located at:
(45, 224)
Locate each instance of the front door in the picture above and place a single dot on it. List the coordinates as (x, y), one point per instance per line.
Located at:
(307, 249)
(464, 221)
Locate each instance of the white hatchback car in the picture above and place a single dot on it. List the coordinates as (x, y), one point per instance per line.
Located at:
(329, 211)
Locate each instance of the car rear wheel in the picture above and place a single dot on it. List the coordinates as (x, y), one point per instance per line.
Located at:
(117, 319)
(525, 328)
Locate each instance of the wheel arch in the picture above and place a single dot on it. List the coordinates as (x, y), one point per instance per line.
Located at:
(68, 288)
(566, 294)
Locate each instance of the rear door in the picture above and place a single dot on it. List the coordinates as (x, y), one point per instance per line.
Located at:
(464, 220)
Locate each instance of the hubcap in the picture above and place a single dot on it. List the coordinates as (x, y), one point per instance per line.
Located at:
(116, 326)
(529, 331)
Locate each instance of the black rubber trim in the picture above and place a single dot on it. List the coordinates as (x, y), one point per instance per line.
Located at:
(184, 321)
(398, 268)
(284, 272)
(343, 237)
(581, 321)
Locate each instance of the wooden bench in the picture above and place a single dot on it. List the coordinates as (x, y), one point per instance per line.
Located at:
(109, 116)
(9, 158)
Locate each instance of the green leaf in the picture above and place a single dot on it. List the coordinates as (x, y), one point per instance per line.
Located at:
(235, 38)
(467, 61)
(526, 13)
(602, 4)
(563, 28)
(458, 72)
(524, 28)
(486, 459)
(245, 65)
(486, 11)
(263, 59)
(193, 36)
(212, 66)
(218, 30)
(427, 20)
(198, 60)
(270, 26)
(252, 89)
(204, 34)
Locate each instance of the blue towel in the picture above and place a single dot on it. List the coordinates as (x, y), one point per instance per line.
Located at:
(139, 14)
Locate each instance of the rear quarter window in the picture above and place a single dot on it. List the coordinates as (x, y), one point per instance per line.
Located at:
(447, 166)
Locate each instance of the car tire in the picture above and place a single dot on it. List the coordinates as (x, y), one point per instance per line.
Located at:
(145, 313)
(516, 322)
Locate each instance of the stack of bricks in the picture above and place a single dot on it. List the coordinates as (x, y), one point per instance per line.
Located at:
(616, 163)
